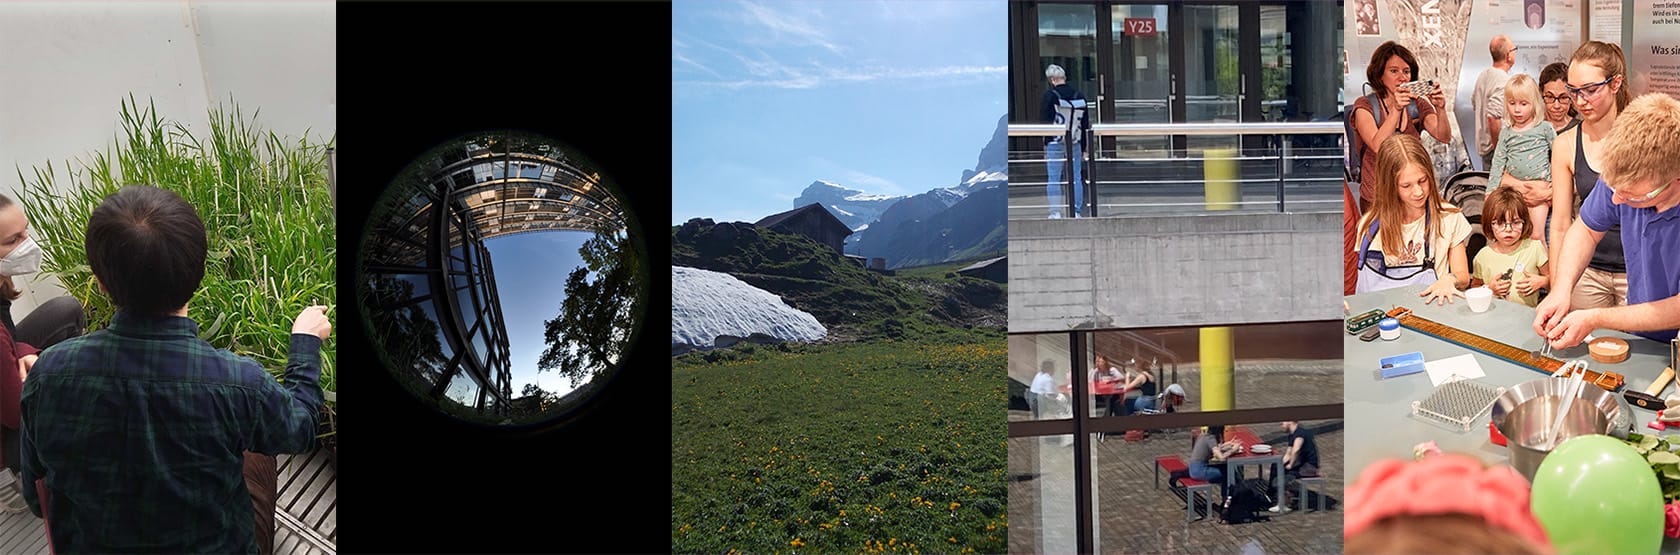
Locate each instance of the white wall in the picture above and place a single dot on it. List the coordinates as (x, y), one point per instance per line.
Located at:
(65, 68)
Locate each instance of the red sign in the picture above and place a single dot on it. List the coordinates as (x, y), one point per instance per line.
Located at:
(1140, 26)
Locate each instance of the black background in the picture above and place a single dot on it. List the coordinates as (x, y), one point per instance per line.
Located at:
(592, 76)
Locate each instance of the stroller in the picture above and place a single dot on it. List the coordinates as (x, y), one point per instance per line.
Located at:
(1467, 189)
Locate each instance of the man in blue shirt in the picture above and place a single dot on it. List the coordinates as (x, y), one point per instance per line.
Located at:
(1641, 168)
(139, 432)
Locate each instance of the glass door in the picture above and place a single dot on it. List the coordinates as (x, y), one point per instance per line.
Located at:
(1213, 79)
(1067, 36)
(1142, 80)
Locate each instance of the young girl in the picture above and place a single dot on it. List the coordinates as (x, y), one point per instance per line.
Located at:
(1525, 151)
(1510, 249)
(1410, 236)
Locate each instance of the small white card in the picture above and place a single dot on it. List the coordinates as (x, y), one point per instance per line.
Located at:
(1442, 371)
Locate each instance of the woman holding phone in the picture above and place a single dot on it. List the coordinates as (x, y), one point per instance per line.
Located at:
(1403, 112)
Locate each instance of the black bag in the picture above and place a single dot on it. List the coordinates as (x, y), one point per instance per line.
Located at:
(1249, 503)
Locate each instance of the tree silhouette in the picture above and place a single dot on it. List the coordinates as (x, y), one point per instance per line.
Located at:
(597, 316)
(410, 336)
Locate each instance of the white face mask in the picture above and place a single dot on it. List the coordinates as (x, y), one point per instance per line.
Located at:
(25, 259)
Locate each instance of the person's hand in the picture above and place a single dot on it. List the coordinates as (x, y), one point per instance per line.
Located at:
(1492, 122)
(1402, 98)
(1443, 290)
(1573, 328)
(1500, 287)
(313, 321)
(1530, 284)
(1437, 98)
(24, 364)
(1549, 312)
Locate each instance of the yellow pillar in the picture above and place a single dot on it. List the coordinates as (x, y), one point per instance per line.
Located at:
(1217, 361)
(1219, 176)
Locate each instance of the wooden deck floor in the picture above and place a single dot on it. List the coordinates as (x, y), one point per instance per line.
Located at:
(306, 520)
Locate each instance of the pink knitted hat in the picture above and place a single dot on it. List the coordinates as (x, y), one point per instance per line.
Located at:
(1440, 485)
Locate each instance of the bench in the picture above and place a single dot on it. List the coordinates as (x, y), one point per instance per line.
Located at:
(1174, 465)
(1319, 480)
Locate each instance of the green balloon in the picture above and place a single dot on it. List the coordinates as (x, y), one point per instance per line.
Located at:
(1595, 494)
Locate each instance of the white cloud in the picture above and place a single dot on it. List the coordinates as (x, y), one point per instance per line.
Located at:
(777, 27)
(770, 73)
(677, 56)
(788, 26)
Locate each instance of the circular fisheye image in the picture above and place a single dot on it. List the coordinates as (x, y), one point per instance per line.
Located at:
(502, 279)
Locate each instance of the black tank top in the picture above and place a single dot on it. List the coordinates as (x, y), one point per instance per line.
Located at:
(1608, 255)
(1148, 387)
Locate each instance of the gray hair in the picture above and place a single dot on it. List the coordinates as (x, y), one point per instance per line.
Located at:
(1055, 72)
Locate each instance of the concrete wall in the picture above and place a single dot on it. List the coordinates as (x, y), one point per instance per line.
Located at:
(1180, 270)
(65, 68)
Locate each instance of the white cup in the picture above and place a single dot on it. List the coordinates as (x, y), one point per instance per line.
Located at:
(1480, 298)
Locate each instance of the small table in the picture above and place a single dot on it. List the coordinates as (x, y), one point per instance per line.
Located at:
(1104, 388)
(1248, 439)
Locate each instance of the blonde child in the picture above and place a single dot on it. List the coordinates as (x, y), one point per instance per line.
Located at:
(1510, 249)
(1411, 237)
(1524, 151)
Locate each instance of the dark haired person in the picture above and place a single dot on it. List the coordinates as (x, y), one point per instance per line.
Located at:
(1392, 65)
(140, 432)
(54, 321)
(1554, 91)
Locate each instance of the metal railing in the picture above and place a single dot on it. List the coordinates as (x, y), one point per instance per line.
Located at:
(1138, 169)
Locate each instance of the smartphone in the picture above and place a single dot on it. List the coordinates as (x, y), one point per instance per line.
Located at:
(1420, 88)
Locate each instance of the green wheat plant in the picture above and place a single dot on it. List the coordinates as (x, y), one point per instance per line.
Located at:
(265, 206)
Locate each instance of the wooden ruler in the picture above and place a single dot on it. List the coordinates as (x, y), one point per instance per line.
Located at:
(1610, 381)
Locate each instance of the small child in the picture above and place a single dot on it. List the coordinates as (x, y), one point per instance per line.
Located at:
(1525, 150)
(1512, 264)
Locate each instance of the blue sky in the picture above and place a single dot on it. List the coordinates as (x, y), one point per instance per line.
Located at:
(531, 270)
(890, 97)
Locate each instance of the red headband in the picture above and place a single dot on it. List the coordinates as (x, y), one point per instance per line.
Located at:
(1440, 485)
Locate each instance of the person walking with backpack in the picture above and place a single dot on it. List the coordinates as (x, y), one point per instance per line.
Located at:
(1064, 105)
(1391, 110)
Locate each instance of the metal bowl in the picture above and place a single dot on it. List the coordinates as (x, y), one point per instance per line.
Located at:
(1524, 412)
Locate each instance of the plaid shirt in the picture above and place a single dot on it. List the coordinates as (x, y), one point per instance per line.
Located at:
(139, 431)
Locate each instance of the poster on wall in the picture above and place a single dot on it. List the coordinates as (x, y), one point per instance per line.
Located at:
(1606, 21)
(1544, 31)
(1365, 18)
(1654, 59)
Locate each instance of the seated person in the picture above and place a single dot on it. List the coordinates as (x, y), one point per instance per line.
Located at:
(53, 321)
(1143, 381)
(1104, 373)
(144, 432)
(1300, 458)
(1207, 459)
